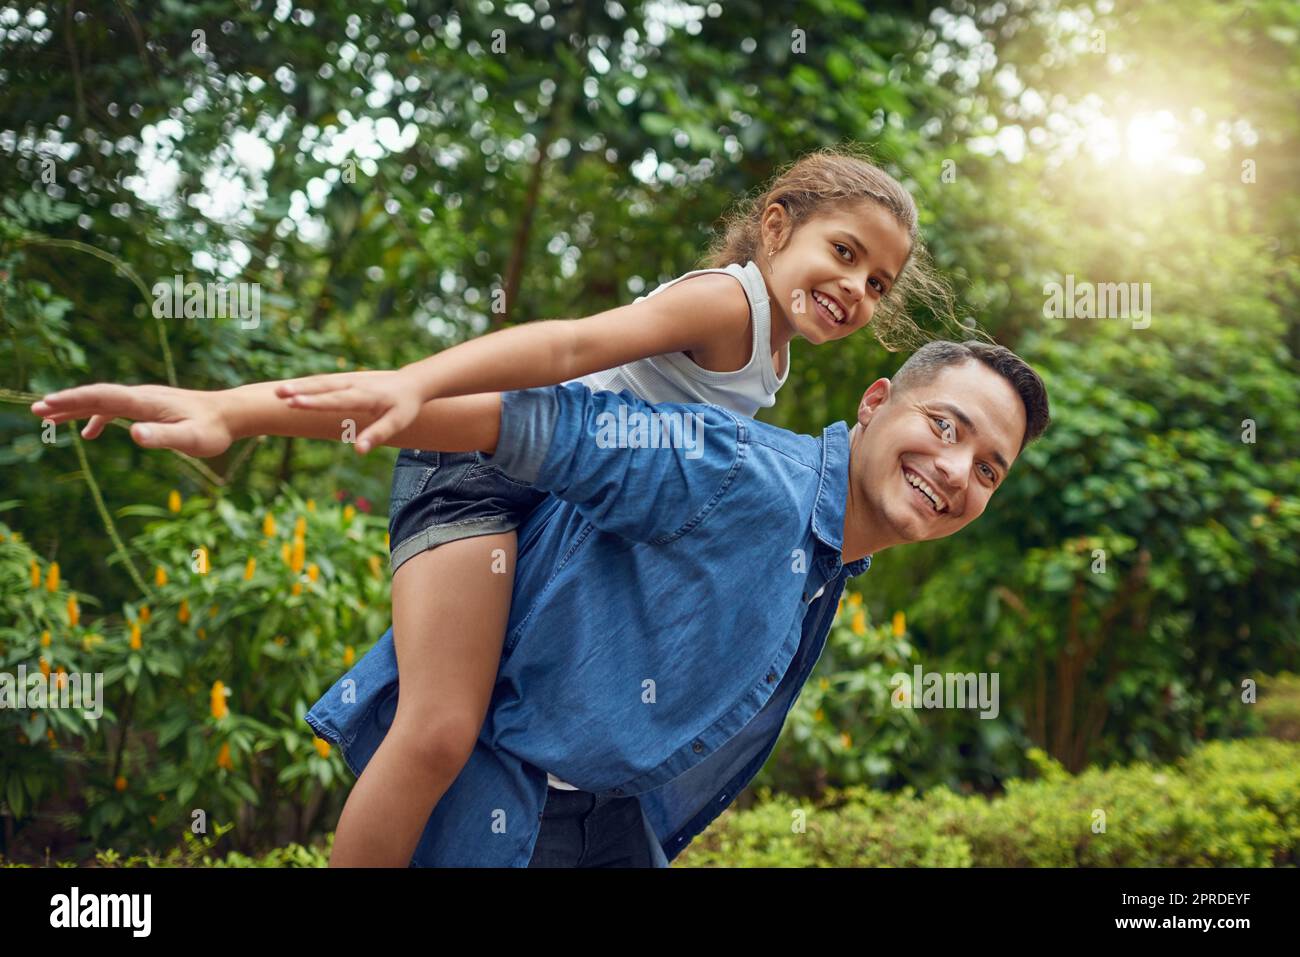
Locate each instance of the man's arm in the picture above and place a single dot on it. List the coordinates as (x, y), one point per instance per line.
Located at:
(590, 449)
(205, 423)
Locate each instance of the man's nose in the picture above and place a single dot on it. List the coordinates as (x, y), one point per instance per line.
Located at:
(953, 466)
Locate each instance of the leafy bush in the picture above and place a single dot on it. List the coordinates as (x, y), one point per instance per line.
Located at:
(251, 616)
(1227, 804)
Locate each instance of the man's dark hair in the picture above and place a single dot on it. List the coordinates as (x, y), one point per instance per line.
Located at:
(924, 364)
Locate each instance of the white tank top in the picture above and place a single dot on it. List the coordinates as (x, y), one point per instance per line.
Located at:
(673, 377)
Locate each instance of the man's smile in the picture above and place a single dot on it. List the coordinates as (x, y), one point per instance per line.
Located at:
(924, 493)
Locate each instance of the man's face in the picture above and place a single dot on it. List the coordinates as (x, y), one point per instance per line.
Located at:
(933, 455)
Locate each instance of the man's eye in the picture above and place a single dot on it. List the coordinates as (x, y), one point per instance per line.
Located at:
(946, 431)
(989, 472)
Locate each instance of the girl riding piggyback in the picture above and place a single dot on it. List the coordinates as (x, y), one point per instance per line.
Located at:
(829, 248)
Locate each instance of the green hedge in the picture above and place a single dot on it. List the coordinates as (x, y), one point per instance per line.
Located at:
(1230, 803)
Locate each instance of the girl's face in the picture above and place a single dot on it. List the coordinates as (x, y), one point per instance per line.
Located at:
(828, 278)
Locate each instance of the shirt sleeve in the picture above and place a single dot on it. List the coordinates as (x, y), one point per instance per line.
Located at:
(645, 472)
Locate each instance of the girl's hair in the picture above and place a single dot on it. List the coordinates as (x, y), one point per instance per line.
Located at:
(836, 177)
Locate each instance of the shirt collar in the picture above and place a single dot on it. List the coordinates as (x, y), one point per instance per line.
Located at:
(832, 498)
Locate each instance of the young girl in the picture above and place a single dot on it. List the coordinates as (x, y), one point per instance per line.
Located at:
(819, 255)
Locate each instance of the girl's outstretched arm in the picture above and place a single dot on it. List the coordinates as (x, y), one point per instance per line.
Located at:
(691, 315)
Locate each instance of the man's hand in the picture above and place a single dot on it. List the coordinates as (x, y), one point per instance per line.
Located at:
(182, 419)
(394, 399)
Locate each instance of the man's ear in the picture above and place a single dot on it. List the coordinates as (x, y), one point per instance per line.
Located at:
(877, 394)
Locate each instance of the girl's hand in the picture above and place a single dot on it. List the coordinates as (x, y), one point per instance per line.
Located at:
(394, 400)
(182, 419)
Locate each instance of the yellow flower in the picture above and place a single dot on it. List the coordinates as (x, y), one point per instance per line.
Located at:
(855, 600)
(218, 702)
(249, 567)
(45, 667)
(280, 640)
(313, 572)
(74, 612)
(183, 613)
(846, 740)
(299, 555)
(223, 758)
(322, 747)
(268, 525)
(45, 639)
(203, 635)
(311, 505)
(386, 540)
(120, 783)
(900, 624)
(300, 527)
(819, 715)
(859, 624)
(60, 677)
(348, 656)
(36, 574)
(212, 612)
(348, 513)
(135, 636)
(52, 582)
(88, 642)
(174, 501)
(297, 588)
(160, 576)
(825, 684)
(286, 553)
(144, 614)
(374, 565)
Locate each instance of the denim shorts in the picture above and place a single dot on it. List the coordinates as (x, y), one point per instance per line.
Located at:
(440, 497)
(581, 829)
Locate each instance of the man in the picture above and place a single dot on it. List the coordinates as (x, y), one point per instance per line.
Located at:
(669, 603)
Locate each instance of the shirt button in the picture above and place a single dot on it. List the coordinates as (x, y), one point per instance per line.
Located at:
(771, 676)
(697, 746)
(618, 790)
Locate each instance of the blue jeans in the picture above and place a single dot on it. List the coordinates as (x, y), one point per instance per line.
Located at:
(581, 829)
(440, 497)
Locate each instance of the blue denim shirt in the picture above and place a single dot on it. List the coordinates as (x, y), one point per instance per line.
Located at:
(666, 613)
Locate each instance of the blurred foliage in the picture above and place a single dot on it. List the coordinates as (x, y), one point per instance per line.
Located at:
(382, 169)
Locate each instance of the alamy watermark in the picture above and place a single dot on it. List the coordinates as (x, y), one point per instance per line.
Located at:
(38, 690)
(651, 430)
(178, 299)
(946, 689)
(1104, 300)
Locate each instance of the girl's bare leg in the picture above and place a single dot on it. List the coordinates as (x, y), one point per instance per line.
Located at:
(450, 610)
